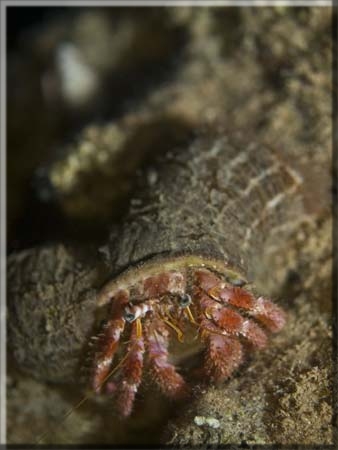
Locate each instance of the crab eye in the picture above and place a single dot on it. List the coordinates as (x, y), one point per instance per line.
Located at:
(129, 316)
(184, 300)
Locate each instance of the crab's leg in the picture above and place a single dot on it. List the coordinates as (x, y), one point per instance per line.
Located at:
(107, 342)
(164, 373)
(262, 309)
(235, 324)
(223, 355)
(269, 314)
(232, 323)
(131, 372)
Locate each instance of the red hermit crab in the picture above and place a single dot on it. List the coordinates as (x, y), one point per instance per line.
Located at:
(149, 308)
(181, 256)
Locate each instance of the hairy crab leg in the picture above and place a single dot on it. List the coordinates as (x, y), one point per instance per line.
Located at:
(167, 378)
(224, 352)
(262, 309)
(131, 372)
(269, 314)
(233, 323)
(108, 342)
(223, 355)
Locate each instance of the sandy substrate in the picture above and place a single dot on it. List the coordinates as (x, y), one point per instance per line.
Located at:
(267, 70)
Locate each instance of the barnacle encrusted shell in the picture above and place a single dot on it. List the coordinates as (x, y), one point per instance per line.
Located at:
(219, 199)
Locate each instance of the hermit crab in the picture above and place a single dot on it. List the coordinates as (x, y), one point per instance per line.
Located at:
(182, 259)
(147, 312)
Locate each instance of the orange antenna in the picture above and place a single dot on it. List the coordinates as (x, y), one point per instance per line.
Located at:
(174, 327)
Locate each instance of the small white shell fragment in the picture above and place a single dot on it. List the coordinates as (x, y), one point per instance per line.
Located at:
(209, 421)
(199, 420)
(212, 422)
